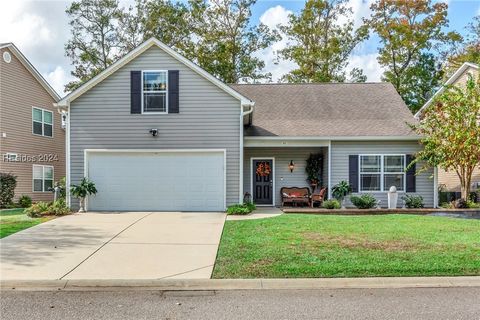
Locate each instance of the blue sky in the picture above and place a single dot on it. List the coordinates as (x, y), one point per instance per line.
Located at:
(40, 29)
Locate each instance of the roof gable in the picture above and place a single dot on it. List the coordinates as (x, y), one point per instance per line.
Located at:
(135, 53)
(40, 79)
(452, 80)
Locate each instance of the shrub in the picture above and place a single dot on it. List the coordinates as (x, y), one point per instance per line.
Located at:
(24, 201)
(37, 210)
(412, 201)
(331, 204)
(365, 201)
(241, 209)
(472, 205)
(250, 205)
(8, 182)
(58, 208)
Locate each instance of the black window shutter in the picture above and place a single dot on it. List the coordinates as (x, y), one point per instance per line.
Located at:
(173, 91)
(135, 92)
(353, 172)
(410, 175)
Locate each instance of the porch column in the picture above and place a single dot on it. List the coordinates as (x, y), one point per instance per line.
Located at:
(329, 170)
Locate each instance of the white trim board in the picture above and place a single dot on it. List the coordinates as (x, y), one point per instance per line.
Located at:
(135, 53)
(273, 180)
(86, 152)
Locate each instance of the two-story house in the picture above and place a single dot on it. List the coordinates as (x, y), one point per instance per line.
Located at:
(155, 132)
(32, 140)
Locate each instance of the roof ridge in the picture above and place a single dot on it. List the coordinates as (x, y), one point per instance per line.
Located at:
(304, 84)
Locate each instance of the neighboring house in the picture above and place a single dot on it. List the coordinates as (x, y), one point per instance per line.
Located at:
(32, 141)
(155, 132)
(449, 180)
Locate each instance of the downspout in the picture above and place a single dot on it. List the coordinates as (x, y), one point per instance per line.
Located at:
(242, 115)
(435, 187)
(67, 149)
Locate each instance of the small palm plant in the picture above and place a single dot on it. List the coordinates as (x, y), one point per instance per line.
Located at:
(81, 191)
(340, 191)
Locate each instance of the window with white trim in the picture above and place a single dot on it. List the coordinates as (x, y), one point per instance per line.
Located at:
(154, 91)
(42, 178)
(380, 172)
(42, 122)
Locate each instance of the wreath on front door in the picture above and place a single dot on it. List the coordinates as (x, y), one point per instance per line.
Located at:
(263, 169)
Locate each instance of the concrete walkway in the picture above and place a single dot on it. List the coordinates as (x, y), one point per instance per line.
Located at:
(114, 246)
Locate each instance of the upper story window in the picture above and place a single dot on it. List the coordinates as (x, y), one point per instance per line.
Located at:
(42, 122)
(380, 172)
(155, 91)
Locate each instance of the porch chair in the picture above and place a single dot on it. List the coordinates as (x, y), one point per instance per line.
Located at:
(318, 197)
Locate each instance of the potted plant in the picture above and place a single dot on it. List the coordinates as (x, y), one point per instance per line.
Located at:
(340, 191)
(313, 169)
(81, 191)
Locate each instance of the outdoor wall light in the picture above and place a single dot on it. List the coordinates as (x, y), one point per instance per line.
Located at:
(291, 166)
(154, 132)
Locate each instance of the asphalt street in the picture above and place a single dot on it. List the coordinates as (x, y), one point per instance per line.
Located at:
(426, 303)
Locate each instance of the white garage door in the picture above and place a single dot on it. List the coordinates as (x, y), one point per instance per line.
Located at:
(157, 181)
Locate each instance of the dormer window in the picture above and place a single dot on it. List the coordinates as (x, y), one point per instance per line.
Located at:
(155, 91)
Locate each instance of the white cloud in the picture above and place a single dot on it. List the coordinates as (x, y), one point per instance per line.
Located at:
(272, 17)
(58, 78)
(360, 8)
(39, 29)
(369, 64)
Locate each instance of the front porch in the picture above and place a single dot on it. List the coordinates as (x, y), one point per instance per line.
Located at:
(265, 190)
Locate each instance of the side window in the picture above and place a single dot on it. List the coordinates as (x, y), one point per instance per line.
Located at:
(42, 122)
(370, 173)
(42, 178)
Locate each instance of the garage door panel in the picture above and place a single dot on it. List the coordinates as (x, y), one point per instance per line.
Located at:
(157, 181)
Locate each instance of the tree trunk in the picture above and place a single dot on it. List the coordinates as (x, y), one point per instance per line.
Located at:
(465, 183)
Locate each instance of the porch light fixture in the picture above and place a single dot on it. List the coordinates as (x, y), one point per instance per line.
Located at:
(291, 166)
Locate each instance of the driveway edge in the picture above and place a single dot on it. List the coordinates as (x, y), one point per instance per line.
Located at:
(241, 284)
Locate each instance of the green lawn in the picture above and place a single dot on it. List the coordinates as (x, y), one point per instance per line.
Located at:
(13, 220)
(296, 246)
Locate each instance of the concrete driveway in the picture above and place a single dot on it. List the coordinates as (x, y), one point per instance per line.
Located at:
(136, 245)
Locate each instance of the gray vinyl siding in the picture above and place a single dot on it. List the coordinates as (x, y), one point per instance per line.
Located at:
(208, 118)
(283, 176)
(341, 151)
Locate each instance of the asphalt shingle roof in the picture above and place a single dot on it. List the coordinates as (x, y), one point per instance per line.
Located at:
(333, 109)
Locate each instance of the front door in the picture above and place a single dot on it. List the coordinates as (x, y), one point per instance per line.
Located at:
(262, 181)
